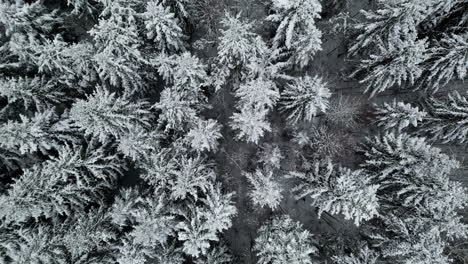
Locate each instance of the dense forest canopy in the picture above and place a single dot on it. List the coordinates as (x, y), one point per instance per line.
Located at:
(233, 131)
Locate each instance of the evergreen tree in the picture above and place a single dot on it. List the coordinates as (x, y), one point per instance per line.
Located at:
(401, 155)
(266, 191)
(251, 124)
(217, 255)
(61, 186)
(392, 22)
(31, 245)
(447, 118)
(178, 110)
(36, 92)
(205, 135)
(398, 115)
(297, 32)
(270, 156)
(448, 59)
(238, 44)
(363, 256)
(259, 93)
(161, 27)
(38, 133)
(181, 69)
(305, 98)
(340, 191)
(118, 59)
(104, 114)
(282, 240)
(399, 62)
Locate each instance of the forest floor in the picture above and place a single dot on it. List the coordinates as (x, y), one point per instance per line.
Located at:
(234, 156)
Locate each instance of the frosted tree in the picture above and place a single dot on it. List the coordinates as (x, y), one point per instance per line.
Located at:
(266, 191)
(178, 110)
(118, 59)
(270, 155)
(89, 237)
(205, 135)
(193, 176)
(305, 98)
(400, 155)
(149, 216)
(38, 133)
(238, 44)
(448, 60)
(250, 123)
(26, 22)
(104, 114)
(447, 118)
(36, 92)
(184, 177)
(363, 256)
(398, 115)
(31, 245)
(297, 32)
(219, 208)
(81, 6)
(162, 27)
(216, 255)
(412, 241)
(396, 63)
(62, 185)
(283, 240)
(338, 191)
(181, 69)
(392, 22)
(196, 233)
(259, 93)
(38, 193)
(138, 144)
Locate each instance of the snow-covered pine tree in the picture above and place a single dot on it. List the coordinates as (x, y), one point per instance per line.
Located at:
(251, 123)
(204, 135)
(401, 156)
(448, 116)
(35, 93)
(257, 93)
(448, 60)
(266, 190)
(338, 191)
(238, 44)
(414, 178)
(182, 176)
(196, 233)
(305, 98)
(397, 62)
(139, 144)
(31, 134)
(31, 245)
(219, 208)
(238, 47)
(162, 27)
(104, 114)
(363, 256)
(178, 109)
(118, 59)
(297, 32)
(398, 115)
(181, 70)
(283, 240)
(270, 156)
(149, 217)
(392, 22)
(217, 254)
(61, 186)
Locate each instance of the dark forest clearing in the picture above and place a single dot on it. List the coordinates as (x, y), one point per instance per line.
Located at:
(233, 131)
